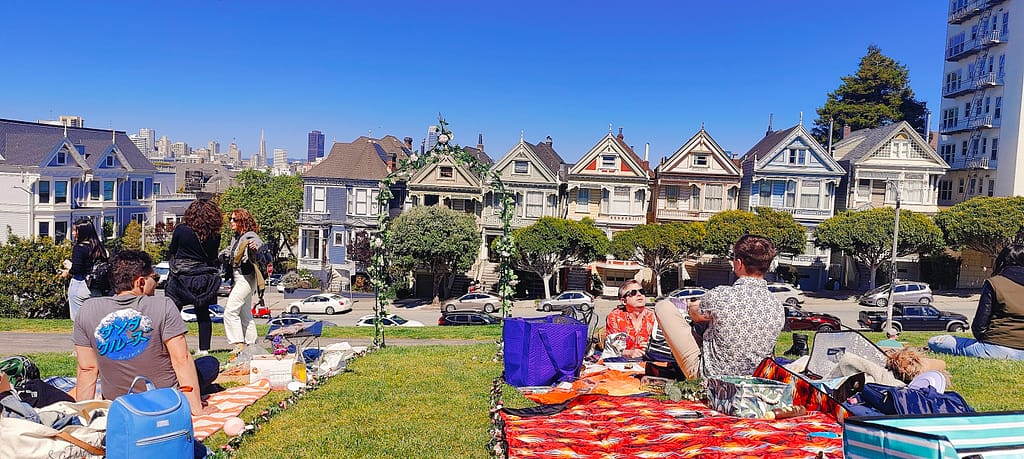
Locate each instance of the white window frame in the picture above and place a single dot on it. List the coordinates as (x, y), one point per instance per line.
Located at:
(446, 172)
(796, 156)
(609, 161)
(343, 238)
(521, 167)
(318, 199)
(810, 195)
(714, 195)
(701, 160)
(113, 190)
(583, 200)
(311, 251)
(534, 204)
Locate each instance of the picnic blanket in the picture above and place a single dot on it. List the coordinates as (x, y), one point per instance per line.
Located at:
(231, 402)
(603, 426)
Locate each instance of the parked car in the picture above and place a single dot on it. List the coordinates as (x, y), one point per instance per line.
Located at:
(225, 288)
(903, 292)
(188, 314)
(467, 318)
(274, 279)
(260, 310)
(163, 269)
(324, 303)
(687, 293)
(579, 299)
(915, 317)
(286, 319)
(389, 321)
(478, 301)
(787, 293)
(798, 319)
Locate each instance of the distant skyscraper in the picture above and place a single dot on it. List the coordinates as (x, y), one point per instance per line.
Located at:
(214, 147)
(234, 154)
(431, 140)
(163, 147)
(261, 161)
(179, 149)
(316, 146)
(280, 158)
(65, 120)
(146, 141)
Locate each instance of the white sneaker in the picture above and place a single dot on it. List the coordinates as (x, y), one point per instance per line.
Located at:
(201, 353)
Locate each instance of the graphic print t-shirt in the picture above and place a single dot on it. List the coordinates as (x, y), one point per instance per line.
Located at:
(128, 334)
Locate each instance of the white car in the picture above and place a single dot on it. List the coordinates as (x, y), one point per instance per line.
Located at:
(787, 294)
(188, 314)
(389, 321)
(323, 303)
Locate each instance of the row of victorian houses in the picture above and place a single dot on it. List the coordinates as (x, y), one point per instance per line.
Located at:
(611, 184)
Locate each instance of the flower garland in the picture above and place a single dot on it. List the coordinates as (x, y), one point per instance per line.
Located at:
(497, 446)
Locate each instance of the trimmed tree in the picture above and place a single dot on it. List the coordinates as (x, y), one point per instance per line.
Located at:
(552, 243)
(659, 246)
(983, 224)
(274, 201)
(724, 228)
(435, 238)
(866, 235)
(30, 282)
(876, 95)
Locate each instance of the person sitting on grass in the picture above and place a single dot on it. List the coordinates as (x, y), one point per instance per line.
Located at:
(743, 319)
(891, 340)
(632, 318)
(137, 334)
(998, 324)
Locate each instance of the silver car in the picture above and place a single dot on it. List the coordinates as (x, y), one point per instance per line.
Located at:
(903, 292)
(576, 298)
(476, 301)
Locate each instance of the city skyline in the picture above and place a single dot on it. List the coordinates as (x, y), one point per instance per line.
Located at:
(571, 71)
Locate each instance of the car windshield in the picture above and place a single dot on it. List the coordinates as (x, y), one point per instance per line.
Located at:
(398, 320)
(879, 289)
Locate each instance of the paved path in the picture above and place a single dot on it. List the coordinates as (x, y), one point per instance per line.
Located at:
(23, 343)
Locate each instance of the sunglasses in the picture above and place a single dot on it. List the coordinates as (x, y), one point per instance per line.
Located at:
(634, 292)
(232, 219)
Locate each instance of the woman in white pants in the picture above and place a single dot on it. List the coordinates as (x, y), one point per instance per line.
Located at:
(239, 326)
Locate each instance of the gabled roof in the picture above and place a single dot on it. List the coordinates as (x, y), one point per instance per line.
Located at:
(364, 158)
(702, 137)
(861, 144)
(547, 154)
(627, 153)
(479, 155)
(767, 144)
(28, 144)
(769, 147)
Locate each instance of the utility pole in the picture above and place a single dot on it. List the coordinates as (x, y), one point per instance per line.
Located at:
(898, 188)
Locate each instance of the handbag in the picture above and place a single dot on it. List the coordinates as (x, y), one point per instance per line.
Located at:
(748, 396)
(540, 351)
(906, 400)
(30, 440)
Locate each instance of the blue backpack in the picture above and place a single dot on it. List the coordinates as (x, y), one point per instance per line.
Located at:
(154, 423)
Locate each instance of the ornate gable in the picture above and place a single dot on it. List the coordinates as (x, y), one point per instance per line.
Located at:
(700, 155)
(610, 158)
(521, 164)
(799, 152)
(444, 174)
(905, 146)
(113, 159)
(65, 154)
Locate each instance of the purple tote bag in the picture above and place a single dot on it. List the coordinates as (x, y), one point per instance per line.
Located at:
(540, 351)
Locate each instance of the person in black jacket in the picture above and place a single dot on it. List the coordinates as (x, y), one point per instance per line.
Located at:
(194, 277)
(998, 324)
(87, 251)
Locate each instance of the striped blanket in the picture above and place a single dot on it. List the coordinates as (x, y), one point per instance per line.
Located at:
(231, 402)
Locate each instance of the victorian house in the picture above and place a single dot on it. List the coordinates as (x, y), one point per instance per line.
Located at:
(57, 174)
(789, 171)
(340, 200)
(697, 181)
(610, 185)
(879, 163)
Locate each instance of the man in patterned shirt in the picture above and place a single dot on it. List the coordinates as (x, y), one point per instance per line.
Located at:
(743, 319)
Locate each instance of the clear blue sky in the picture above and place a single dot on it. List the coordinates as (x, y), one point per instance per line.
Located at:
(202, 70)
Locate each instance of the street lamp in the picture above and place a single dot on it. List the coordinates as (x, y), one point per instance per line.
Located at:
(31, 208)
(898, 189)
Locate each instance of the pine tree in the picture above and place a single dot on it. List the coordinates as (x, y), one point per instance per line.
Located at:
(877, 95)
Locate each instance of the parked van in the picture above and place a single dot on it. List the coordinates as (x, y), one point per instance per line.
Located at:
(903, 292)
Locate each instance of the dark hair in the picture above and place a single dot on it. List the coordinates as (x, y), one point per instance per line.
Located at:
(204, 217)
(86, 235)
(127, 266)
(244, 220)
(1012, 255)
(756, 253)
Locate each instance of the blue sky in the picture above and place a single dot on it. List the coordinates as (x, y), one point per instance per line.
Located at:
(202, 70)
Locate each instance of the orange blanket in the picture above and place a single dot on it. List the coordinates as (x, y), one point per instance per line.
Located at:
(231, 402)
(607, 382)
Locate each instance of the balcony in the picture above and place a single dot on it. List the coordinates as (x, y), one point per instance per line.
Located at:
(990, 38)
(952, 91)
(805, 213)
(314, 218)
(494, 221)
(979, 163)
(988, 80)
(971, 9)
(982, 122)
(975, 163)
(957, 126)
(676, 214)
(622, 219)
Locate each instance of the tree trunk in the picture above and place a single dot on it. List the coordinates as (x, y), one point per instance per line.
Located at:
(657, 283)
(547, 280)
(438, 278)
(872, 269)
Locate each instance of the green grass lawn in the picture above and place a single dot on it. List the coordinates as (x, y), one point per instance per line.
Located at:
(432, 401)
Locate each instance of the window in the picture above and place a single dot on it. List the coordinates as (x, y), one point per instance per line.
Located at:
(108, 190)
(694, 197)
(914, 191)
(583, 200)
(311, 244)
(809, 195)
(44, 229)
(700, 160)
(534, 204)
(765, 193)
(999, 108)
(60, 192)
(362, 198)
(522, 167)
(60, 231)
(713, 197)
(1002, 66)
(110, 160)
(672, 194)
(963, 149)
(1006, 23)
(863, 189)
(108, 222)
(995, 149)
(797, 156)
(984, 145)
(446, 172)
(319, 201)
(960, 187)
(945, 190)
(44, 192)
(620, 200)
(62, 157)
(899, 149)
(138, 192)
(138, 217)
(991, 187)
(94, 190)
(608, 161)
(339, 238)
(972, 188)
(947, 153)
(790, 194)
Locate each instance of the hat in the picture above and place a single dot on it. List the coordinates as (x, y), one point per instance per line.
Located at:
(929, 378)
(891, 331)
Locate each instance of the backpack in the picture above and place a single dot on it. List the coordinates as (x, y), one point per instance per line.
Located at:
(19, 369)
(99, 278)
(154, 423)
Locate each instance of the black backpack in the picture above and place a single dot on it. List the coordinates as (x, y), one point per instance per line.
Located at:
(99, 277)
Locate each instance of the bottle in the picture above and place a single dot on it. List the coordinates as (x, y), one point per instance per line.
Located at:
(299, 368)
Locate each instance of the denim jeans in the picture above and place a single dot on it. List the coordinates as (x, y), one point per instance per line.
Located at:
(955, 345)
(78, 292)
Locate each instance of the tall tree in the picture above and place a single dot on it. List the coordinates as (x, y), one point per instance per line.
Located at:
(30, 283)
(552, 243)
(435, 238)
(983, 224)
(866, 235)
(724, 228)
(659, 246)
(274, 201)
(876, 95)
(132, 237)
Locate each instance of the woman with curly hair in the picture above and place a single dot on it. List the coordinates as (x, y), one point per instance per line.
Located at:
(194, 277)
(239, 326)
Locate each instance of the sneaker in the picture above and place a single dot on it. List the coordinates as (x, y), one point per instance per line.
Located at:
(201, 353)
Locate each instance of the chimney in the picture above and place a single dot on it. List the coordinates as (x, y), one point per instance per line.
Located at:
(620, 136)
(480, 142)
(547, 140)
(393, 160)
(647, 150)
(408, 143)
(769, 131)
(846, 131)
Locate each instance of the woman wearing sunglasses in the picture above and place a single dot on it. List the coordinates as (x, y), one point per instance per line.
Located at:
(632, 318)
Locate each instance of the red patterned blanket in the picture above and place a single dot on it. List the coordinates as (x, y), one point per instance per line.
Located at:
(601, 426)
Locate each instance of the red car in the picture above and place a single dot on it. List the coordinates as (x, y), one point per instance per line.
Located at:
(260, 310)
(798, 319)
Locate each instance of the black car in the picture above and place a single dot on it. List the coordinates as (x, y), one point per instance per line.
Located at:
(915, 317)
(467, 318)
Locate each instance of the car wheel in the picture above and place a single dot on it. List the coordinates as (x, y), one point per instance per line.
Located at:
(896, 326)
(882, 302)
(956, 328)
(925, 300)
(294, 310)
(329, 310)
(826, 328)
(547, 308)
(488, 308)
(449, 307)
(792, 301)
(584, 307)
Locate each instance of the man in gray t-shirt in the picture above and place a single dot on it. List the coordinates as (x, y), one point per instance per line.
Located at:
(136, 334)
